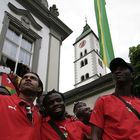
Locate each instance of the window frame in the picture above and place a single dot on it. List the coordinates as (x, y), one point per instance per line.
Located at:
(10, 20)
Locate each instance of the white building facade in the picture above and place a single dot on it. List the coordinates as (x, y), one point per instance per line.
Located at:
(31, 35)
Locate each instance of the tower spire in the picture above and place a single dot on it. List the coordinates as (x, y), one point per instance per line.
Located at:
(86, 20)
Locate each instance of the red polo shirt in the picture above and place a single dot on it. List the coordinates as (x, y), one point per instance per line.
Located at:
(14, 124)
(117, 121)
(75, 130)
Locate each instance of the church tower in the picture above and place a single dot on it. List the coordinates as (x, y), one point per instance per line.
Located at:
(88, 63)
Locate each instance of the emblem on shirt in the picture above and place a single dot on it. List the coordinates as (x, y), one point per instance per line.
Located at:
(12, 107)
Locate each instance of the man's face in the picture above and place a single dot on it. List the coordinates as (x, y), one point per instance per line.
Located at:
(29, 84)
(82, 111)
(80, 106)
(55, 105)
(122, 74)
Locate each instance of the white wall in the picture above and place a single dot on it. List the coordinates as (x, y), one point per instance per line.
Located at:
(53, 73)
(90, 101)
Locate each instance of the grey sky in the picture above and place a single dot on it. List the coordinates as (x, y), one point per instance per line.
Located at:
(124, 22)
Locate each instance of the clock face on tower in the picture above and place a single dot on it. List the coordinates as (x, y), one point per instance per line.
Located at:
(82, 44)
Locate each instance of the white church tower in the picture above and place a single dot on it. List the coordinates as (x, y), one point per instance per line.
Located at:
(88, 63)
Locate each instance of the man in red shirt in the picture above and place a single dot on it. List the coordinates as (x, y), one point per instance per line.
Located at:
(82, 112)
(70, 129)
(111, 118)
(19, 119)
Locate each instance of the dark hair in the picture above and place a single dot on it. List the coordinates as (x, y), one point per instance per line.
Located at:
(40, 84)
(50, 93)
(39, 81)
(75, 105)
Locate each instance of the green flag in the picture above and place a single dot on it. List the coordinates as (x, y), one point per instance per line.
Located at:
(106, 48)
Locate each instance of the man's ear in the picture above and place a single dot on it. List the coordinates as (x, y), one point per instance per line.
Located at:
(132, 75)
(40, 89)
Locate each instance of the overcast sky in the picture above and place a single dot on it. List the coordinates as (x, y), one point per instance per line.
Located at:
(124, 22)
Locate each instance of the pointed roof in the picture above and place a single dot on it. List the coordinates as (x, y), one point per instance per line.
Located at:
(86, 30)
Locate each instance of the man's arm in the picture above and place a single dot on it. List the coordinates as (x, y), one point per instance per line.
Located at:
(96, 133)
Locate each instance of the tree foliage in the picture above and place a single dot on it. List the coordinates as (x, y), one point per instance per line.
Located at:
(134, 55)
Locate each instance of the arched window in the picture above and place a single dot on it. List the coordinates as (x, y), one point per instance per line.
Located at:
(100, 74)
(85, 51)
(87, 75)
(81, 54)
(82, 78)
(86, 61)
(82, 63)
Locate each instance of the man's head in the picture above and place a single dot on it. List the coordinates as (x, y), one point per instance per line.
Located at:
(122, 71)
(54, 104)
(31, 85)
(81, 111)
(117, 62)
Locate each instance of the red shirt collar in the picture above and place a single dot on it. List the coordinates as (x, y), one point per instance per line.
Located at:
(18, 100)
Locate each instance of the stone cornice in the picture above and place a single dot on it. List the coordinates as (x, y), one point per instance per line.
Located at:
(49, 19)
(25, 13)
(14, 21)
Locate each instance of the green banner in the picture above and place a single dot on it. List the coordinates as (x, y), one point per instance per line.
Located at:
(105, 42)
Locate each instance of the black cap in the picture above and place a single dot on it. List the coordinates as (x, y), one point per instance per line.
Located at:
(116, 62)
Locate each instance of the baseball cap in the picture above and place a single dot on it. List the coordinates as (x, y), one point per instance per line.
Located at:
(116, 62)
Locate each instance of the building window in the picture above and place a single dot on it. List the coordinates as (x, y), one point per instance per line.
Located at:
(82, 63)
(100, 63)
(19, 46)
(82, 78)
(81, 54)
(87, 75)
(85, 51)
(86, 61)
(16, 50)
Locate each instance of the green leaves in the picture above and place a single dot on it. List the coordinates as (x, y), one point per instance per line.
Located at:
(134, 54)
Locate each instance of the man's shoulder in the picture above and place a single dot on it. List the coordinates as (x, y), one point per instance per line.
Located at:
(105, 99)
(76, 122)
(7, 98)
(108, 96)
